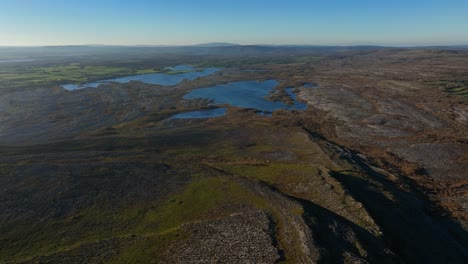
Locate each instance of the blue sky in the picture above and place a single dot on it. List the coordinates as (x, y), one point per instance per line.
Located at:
(181, 22)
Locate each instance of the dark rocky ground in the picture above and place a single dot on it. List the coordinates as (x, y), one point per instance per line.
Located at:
(374, 171)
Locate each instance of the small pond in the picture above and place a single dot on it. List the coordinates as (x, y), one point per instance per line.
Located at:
(309, 85)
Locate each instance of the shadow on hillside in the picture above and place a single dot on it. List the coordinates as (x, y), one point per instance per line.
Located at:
(335, 233)
(408, 229)
(338, 236)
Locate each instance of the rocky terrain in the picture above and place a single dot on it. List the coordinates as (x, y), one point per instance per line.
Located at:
(374, 171)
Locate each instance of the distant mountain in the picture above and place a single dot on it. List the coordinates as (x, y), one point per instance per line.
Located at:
(220, 48)
(455, 47)
(216, 44)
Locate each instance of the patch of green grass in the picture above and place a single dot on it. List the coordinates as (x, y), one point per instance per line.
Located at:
(147, 71)
(458, 90)
(199, 198)
(177, 72)
(202, 199)
(274, 173)
(61, 74)
(456, 87)
(57, 74)
(148, 248)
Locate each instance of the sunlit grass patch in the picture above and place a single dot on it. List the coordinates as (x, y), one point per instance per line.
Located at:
(61, 74)
(202, 197)
(275, 173)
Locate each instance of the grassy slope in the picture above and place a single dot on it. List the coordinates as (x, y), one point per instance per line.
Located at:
(202, 197)
(206, 159)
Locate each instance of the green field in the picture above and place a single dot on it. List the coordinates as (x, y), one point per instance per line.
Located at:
(71, 73)
(62, 74)
(456, 87)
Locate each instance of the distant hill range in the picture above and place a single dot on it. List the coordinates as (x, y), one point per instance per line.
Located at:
(216, 48)
(216, 44)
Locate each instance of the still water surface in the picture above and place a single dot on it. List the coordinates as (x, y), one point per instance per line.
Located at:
(246, 94)
(189, 73)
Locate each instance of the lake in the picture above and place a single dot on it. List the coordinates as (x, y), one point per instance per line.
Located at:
(167, 79)
(246, 94)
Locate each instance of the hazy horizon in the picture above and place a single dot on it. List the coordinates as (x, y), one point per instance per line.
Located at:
(180, 23)
(233, 44)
